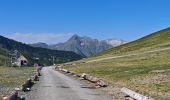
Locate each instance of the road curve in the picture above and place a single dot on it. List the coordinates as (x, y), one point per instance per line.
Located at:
(54, 85)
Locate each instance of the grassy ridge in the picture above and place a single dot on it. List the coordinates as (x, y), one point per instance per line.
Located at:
(156, 40)
(147, 73)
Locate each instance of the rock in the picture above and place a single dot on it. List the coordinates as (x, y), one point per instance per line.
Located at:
(94, 80)
(64, 70)
(72, 73)
(83, 75)
(27, 85)
(101, 83)
(88, 77)
(68, 71)
(13, 96)
(59, 69)
(35, 78)
(78, 75)
(59, 66)
(5, 98)
(17, 89)
(22, 98)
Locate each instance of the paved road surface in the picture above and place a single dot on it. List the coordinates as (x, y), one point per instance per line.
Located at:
(54, 85)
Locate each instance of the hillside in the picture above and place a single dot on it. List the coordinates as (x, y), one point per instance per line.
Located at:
(45, 55)
(153, 41)
(142, 65)
(3, 57)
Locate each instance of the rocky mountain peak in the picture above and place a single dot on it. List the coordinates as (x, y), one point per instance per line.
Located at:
(84, 46)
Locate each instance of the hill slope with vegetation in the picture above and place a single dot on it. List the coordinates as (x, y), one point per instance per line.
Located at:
(156, 40)
(142, 65)
(45, 55)
(3, 56)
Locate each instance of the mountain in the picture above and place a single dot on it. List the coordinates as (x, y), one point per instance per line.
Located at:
(39, 44)
(45, 55)
(115, 42)
(84, 46)
(142, 65)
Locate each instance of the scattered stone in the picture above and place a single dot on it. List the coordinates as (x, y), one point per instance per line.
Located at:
(64, 70)
(101, 83)
(94, 80)
(17, 89)
(13, 96)
(72, 73)
(27, 85)
(5, 98)
(88, 77)
(83, 75)
(35, 77)
(22, 97)
(78, 75)
(97, 81)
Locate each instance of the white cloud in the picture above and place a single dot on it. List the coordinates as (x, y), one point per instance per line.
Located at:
(50, 38)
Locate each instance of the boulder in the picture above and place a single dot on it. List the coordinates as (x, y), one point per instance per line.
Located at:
(88, 77)
(78, 75)
(5, 98)
(35, 77)
(13, 96)
(101, 83)
(83, 75)
(64, 70)
(94, 80)
(72, 73)
(27, 85)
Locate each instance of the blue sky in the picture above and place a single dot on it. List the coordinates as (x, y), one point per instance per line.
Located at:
(54, 21)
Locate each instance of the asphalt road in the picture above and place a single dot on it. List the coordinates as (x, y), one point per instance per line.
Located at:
(54, 85)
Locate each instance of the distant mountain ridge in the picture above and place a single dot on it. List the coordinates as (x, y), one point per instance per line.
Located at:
(84, 46)
(40, 44)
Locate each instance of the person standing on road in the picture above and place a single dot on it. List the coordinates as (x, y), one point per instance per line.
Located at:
(37, 67)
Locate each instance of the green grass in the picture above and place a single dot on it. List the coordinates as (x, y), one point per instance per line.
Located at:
(146, 73)
(3, 57)
(13, 77)
(156, 40)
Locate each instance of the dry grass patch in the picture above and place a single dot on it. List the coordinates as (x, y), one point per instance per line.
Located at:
(13, 77)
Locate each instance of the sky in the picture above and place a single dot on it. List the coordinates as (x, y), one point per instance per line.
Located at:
(54, 21)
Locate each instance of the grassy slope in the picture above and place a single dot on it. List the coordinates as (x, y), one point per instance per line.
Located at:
(156, 40)
(3, 56)
(147, 73)
(11, 78)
